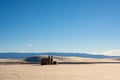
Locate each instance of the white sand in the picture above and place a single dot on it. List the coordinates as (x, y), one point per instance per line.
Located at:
(60, 72)
(80, 59)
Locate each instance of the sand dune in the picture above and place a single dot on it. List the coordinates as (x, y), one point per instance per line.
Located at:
(60, 60)
(80, 59)
(68, 59)
(61, 71)
(11, 60)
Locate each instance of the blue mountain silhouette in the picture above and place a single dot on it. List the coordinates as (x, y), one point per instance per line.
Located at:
(26, 55)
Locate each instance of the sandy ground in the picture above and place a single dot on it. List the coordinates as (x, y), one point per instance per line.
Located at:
(61, 71)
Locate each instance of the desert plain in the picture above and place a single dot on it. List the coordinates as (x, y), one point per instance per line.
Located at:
(102, 71)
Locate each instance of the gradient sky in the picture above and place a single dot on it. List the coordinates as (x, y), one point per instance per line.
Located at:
(91, 26)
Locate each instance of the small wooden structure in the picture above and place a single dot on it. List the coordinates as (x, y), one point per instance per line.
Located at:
(48, 61)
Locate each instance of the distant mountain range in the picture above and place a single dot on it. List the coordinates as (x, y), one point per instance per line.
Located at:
(26, 55)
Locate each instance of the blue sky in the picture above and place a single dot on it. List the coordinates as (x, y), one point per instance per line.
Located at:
(91, 26)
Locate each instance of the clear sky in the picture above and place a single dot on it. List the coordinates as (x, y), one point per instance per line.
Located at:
(91, 26)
